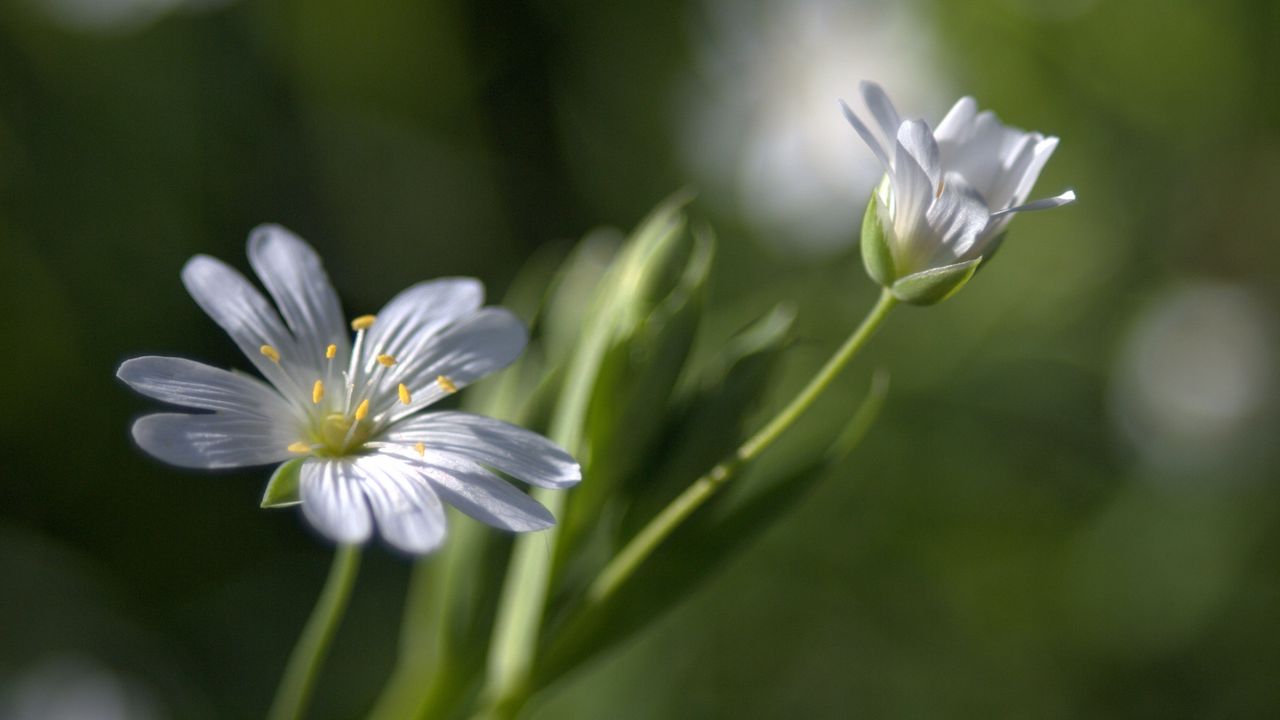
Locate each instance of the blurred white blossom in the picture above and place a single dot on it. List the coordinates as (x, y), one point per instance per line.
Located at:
(72, 687)
(117, 15)
(1195, 375)
(759, 129)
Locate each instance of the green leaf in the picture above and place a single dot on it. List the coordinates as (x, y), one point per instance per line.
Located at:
(282, 488)
(708, 424)
(876, 255)
(935, 285)
(631, 398)
(725, 526)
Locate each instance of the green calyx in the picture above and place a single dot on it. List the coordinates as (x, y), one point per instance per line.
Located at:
(282, 489)
(926, 287)
(876, 254)
(934, 285)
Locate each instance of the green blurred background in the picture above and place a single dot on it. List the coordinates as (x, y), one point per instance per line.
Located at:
(1069, 509)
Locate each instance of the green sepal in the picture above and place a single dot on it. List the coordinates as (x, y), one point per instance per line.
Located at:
(876, 255)
(282, 488)
(936, 284)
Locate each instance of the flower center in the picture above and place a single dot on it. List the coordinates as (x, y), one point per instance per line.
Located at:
(339, 419)
(339, 434)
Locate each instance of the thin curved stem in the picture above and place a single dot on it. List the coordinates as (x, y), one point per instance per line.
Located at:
(656, 531)
(308, 656)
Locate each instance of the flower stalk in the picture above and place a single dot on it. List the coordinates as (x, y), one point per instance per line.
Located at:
(625, 563)
(299, 679)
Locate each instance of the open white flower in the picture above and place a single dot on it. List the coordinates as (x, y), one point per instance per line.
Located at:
(351, 412)
(948, 194)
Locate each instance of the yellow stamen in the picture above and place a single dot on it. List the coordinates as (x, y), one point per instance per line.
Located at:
(386, 360)
(272, 354)
(422, 449)
(446, 384)
(362, 411)
(317, 392)
(364, 322)
(405, 397)
(299, 447)
(330, 351)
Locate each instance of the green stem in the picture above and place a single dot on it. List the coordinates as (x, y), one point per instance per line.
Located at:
(664, 523)
(299, 679)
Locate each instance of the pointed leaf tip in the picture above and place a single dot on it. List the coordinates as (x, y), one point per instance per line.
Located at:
(928, 287)
(282, 488)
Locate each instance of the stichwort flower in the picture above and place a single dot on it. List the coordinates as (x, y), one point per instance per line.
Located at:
(348, 415)
(947, 195)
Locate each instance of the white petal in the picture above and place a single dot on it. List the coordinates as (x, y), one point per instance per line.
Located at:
(211, 441)
(912, 196)
(409, 513)
(511, 449)
(978, 155)
(957, 218)
(1066, 198)
(1042, 152)
(916, 137)
(293, 274)
(333, 501)
(196, 385)
(881, 152)
(413, 318)
(482, 495)
(242, 311)
(486, 341)
(887, 120)
(958, 123)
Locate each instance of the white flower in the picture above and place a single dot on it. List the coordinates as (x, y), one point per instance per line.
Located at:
(352, 411)
(948, 194)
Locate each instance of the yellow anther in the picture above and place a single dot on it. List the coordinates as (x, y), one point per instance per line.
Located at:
(299, 447)
(422, 449)
(272, 354)
(405, 397)
(317, 392)
(364, 322)
(386, 360)
(330, 351)
(446, 384)
(362, 411)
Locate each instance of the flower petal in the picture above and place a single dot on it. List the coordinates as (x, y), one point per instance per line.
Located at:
(486, 341)
(480, 494)
(332, 499)
(957, 218)
(409, 513)
(911, 197)
(917, 139)
(239, 309)
(196, 385)
(1042, 152)
(881, 152)
(412, 318)
(1065, 198)
(887, 120)
(508, 448)
(983, 156)
(958, 122)
(211, 441)
(293, 274)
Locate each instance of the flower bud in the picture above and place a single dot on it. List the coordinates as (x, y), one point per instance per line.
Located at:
(931, 221)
